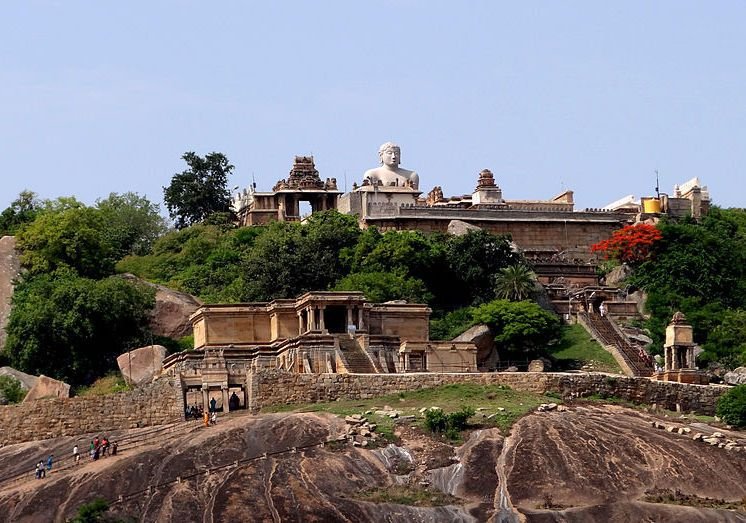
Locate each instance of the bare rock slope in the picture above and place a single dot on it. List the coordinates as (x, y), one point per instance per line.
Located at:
(592, 464)
(9, 270)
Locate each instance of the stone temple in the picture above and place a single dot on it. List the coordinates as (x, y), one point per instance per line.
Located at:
(341, 332)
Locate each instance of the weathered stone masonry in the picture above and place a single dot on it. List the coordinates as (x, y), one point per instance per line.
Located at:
(162, 402)
(155, 404)
(270, 387)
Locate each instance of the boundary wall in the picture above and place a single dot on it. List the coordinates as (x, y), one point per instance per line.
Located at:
(158, 403)
(162, 402)
(272, 387)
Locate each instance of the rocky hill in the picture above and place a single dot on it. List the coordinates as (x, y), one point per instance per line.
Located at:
(589, 463)
(9, 270)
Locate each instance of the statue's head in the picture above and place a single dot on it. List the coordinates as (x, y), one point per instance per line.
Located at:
(389, 154)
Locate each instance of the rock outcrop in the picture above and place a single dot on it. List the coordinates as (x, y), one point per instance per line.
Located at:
(170, 316)
(10, 267)
(142, 365)
(27, 380)
(736, 376)
(484, 339)
(47, 387)
(583, 464)
(459, 228)
(617, 275)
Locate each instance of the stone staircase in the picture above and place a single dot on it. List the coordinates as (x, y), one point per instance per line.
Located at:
(601, 328)
(355, 359)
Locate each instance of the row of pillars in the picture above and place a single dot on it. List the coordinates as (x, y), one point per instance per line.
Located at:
(312, 318)
(291, 204)
(206, 396)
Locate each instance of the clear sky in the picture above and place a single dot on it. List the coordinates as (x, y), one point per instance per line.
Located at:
(102, 96)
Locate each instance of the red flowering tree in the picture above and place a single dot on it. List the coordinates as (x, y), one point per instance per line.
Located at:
(630, 244)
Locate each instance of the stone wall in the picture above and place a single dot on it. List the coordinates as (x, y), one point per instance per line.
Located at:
(155, 404)
(539, 232)
(271, 387)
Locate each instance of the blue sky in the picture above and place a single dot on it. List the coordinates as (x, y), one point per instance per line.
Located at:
(99, 97)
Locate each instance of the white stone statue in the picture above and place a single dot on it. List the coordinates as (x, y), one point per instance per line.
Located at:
(389, 173)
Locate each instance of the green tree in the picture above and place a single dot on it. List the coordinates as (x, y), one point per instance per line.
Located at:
(12, 389)
(731, 406)
(521, 326)
(726, 342)
(696, 268)
(22, 210)
(379, 287)
(199, 191)
(473, 259)
(74, 237)
(132, 223)
(515, 283)
(73, 328)
(289, 259)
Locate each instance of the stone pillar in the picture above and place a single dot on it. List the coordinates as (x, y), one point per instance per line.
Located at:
(300, 323)
(224, 393)
(205, 397)
(360, 322)
(349, 316)
(322, 308)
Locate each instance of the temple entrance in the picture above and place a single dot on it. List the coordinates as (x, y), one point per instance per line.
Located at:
(335, 319)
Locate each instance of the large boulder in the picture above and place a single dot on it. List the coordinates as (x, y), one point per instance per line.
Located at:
(27, 380)
(459, 228)
(141, 365)
(540, 365)
(47, 387)
(170, 316)
(735, 377)
(484, 339)
(618, 274)
(9, 270)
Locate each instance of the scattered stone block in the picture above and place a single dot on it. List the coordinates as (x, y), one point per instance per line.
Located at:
(736, 376)
(47, 387)
(460, 228)
(27, 380)
(141, 365)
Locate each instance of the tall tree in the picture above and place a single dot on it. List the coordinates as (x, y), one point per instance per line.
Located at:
(199, 191)
(133, 223)
(22, 210)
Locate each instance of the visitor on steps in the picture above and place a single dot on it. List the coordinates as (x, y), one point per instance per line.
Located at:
(76, 454)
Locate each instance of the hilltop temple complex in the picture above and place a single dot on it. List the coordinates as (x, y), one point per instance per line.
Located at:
(341, 332)
(390, 198)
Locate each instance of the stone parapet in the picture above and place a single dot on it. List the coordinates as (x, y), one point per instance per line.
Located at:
(155, 404)
(270, 387)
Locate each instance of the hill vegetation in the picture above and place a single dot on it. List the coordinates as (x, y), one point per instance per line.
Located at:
(72, 314)
(698, 269)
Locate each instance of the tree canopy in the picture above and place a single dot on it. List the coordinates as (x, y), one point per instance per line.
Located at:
(699, 269)
(199, 191)
(73, 328)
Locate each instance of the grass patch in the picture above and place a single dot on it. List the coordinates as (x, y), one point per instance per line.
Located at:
(109, 384)
(676, 497)
(408, 495)
(576, 348)
(495, 405)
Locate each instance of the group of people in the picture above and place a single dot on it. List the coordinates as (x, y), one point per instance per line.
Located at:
(211, 417)
(42, 468)
(99, 447)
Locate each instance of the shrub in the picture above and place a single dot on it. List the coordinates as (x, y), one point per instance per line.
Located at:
(12, 389)
(731, 407)
(450, 424)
